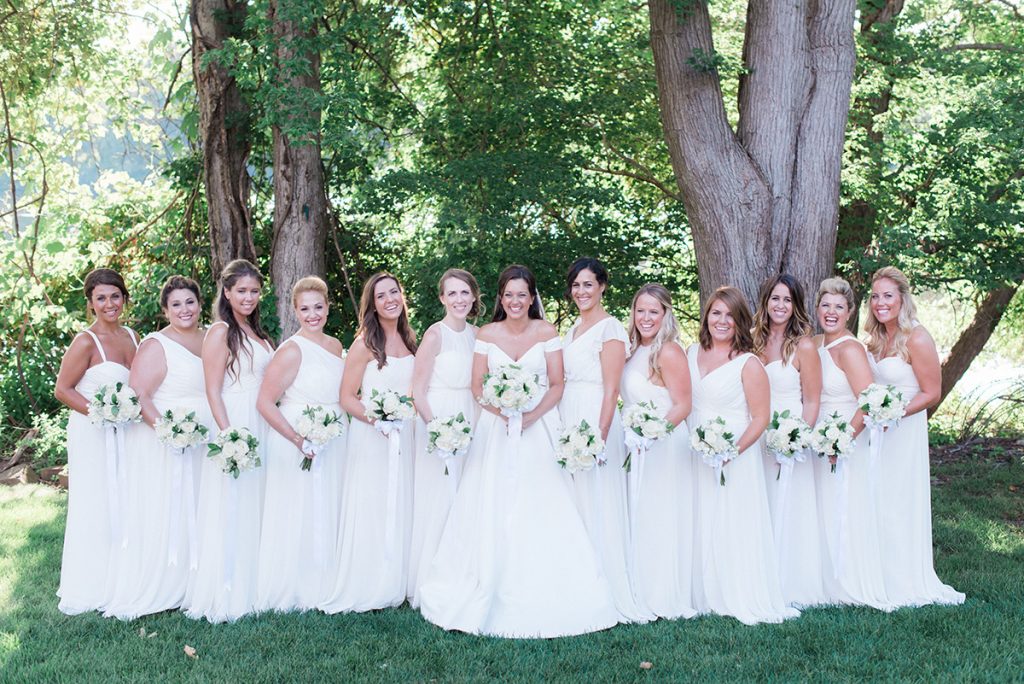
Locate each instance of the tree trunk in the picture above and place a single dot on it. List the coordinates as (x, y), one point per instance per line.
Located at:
(300, 201)
(765, 199)
(223, 132)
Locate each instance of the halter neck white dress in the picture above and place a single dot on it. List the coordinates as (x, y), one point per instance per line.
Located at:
(87, 570)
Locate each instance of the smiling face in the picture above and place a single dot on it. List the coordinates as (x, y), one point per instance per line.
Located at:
(721, 325)
(516, 299)
(886, 301)
(647, 316)
(387, 299)
(311, 310)
(780, 304)
(107, 302)
(457, 297)
(833, 313)
(586, 291)
(243, 295)
(183, 309)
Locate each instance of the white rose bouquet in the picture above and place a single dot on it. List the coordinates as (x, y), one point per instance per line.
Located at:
(715, 444)
(643, 427)
(883, 405)
(833, 438)
(235, 451)
(449, 437)
(512, 390)
(179, 429)
(787, 437)
(114, 406)
(389, 406)
(317, 426)
(579, 448)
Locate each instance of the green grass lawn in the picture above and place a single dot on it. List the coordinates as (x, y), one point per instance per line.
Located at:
(979, 534)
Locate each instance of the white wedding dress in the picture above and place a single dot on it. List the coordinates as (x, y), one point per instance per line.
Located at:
(515, 559)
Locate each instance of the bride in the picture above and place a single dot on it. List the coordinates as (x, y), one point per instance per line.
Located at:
(515, 559)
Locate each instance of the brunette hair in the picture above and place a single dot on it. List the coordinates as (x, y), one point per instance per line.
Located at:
(370, 328)
(669, 331)
(466, 277)
(878, 336)
(237, 339)
(517, 272)
(742, 340)
(104, 276)
(798, 325)
(178, 282)
(309, 284)
(585, 264)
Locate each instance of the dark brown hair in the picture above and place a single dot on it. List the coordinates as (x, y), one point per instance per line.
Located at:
(585, 264)
(237, 339)
(517, 272)
(742, 341)
(104, 276)
(466, 277)
(178, 282)
(798, 325)
(370, 328)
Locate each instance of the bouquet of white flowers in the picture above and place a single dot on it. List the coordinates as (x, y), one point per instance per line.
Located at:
(235, 451)
(389, 406)
(579, 448)
(643, 427)
(883, 405)
(512, 390)
(114, 405)
(179, 429)
(448, 437)
(317, 426)
(715, 444)
(833, 438)
(787, 437)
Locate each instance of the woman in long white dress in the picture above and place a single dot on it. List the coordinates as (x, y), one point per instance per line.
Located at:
(441, 381)
(737, 571)
(167, 375)
(782, 340)
(851, 548)
(236, 352)
(376, 499)
(662, 477)
(515, 559)
(905, 357)
(593, 354)
(301, 507)
(100, 355)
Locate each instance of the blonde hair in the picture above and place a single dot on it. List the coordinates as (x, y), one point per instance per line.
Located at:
(878, 336)
(669, 331)
(836, 286)
(309, 284)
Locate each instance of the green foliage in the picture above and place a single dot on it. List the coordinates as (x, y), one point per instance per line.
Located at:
(50, 444)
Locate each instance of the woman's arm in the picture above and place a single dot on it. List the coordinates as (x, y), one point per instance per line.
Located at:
(72, 367)
(613, 360)
(215, 361)
(759, 402)
(278, 377)
(853, 361)
(359, 357)
(675, 371)
(924, 360)
(423, 368)
(147, 374)
(809, 364)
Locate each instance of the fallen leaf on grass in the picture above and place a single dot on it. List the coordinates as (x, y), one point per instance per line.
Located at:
(191, 652)
(151, 635)
(646, 665)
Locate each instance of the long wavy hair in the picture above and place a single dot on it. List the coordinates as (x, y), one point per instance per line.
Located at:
(370, 328)
(878, 336)
(238, 341)
(668, 332)
(517, 272)
(742, 340)
(798, 325)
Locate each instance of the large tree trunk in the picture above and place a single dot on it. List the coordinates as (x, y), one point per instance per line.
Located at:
(223, 132)
(300, 202)
(765, 199)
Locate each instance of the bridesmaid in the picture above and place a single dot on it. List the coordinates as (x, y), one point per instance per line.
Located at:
(663, 509)
(851, 549)
(737, 571)
(167, 375)
(376, 499)
(905, 356)
(301, 508)
(100, 355)
(782, 340)
(441, 380)
(236, 352)
(594, 353)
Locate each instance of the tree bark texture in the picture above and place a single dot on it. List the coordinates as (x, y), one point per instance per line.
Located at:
(300, 200)
(764, 199)
(223, 132)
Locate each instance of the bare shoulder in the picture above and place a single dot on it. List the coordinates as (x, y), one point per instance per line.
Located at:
(335, 346)
(672, 352)
(358, 351)
(807, 345)
(149, 348)
(753, 369)
(217, 333)
(544, 331)
(852, 350)
(487, 332)
(921, 342)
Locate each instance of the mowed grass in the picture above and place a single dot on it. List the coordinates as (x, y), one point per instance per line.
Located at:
(979, 534)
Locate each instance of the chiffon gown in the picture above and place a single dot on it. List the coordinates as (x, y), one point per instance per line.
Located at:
(376, 506)
(736, 572)
(515, 559)
(904, 489)
(152, 572)
(851, 555)
(601, 491)
(793, 503)
(448, 394)
(223, 587)
(301, 507)
(663, 510)
(95, 514)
